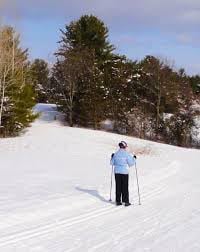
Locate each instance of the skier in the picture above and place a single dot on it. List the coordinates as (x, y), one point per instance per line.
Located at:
(122, 160)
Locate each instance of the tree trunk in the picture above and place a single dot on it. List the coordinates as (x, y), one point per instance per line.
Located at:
(71, 118)
(2, 99)
(158, 109)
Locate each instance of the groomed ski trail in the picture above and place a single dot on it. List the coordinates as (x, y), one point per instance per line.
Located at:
(54, 193)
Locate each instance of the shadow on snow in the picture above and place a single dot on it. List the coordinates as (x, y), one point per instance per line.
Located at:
(94, 193)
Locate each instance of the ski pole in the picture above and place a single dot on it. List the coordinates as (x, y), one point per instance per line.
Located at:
(111, 184)
(137, 184)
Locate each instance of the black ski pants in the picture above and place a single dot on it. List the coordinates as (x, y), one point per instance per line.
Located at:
(121, 182)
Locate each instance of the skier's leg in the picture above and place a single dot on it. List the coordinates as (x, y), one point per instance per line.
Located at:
(125, 192)
(118, 187)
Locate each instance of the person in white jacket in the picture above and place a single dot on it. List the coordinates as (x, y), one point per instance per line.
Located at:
(122, 160)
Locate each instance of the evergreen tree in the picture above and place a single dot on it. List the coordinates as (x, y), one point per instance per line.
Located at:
(88, 34)
(40, 76)
(68, 76)
(120, 93)
(16, 92)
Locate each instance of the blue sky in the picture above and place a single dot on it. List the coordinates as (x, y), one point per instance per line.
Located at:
(167, 29)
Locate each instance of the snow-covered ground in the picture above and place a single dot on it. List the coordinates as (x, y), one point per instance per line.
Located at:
(48, 112)
(54, 191)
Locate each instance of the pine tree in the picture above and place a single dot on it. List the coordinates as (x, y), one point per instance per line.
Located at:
(69, 73)
(83, 40)
(40, 75)
(120, 95)
(87, 32)
(16, 92)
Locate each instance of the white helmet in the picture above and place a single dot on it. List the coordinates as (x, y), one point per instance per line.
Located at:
(123, 145)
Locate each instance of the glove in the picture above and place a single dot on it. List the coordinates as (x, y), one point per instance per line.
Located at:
(135, 156)
(112, 155)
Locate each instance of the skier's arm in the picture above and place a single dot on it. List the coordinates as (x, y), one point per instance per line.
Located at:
(130, 160)
(112, 159)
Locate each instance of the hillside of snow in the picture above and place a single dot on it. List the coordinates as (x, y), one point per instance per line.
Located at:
(54, 191)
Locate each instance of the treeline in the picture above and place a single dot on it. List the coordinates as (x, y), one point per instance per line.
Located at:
(91, 83)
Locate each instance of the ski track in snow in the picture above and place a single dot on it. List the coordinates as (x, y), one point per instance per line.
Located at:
(54, 192)
(53, 226)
